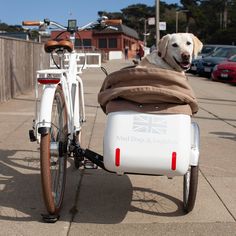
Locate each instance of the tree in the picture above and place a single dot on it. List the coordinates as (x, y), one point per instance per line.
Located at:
(191, 6)
(10, 28)
(134, 16)
(214, 20)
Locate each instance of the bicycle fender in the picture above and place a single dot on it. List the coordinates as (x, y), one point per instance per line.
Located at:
(44, 123)
(195, 144)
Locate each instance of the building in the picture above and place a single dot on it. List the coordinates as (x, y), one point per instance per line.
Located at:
(111, 40)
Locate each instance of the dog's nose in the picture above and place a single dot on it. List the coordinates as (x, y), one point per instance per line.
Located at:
(185, 56)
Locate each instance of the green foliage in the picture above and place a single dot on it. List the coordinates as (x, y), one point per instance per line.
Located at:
(5, 28)
(205, 18)
(10, 28)
(224, 36)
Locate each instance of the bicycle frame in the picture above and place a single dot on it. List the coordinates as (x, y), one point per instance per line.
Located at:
(72, 87)
(68, 78)
(59, 114)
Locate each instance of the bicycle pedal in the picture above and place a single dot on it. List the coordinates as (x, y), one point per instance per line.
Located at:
(89, 165)
(32, 136)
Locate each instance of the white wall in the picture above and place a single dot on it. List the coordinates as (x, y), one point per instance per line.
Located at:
(115, 55)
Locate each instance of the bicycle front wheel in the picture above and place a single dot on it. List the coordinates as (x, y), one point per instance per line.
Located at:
(53, 156)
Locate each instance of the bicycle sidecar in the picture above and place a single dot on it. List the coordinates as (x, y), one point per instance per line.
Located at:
(148, 144)
(149, 129)
(163, 144)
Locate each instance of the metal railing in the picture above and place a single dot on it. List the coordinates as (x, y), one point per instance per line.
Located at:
(84, 60)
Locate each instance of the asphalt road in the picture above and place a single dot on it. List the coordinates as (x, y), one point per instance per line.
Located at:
(100, 203)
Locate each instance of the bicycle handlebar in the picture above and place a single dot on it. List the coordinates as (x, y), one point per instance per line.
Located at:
(47, 22)
(113, 21)
(32, 23)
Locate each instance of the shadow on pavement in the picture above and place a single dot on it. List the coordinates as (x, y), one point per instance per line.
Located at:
(225, 135)
(20, 198)
(156, 203)
(103, 197)
(106, 198)
(20, 187)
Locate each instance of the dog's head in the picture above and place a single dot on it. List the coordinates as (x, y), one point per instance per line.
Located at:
(179, 49)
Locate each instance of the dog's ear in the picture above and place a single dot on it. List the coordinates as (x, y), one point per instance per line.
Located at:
(197, 45)
(162, 45)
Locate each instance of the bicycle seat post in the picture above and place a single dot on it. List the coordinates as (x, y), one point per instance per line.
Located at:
(61, 56)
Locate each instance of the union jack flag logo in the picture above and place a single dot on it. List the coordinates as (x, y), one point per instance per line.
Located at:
(149, 124)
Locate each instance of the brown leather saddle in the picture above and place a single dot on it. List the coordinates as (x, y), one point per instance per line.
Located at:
(51, 45)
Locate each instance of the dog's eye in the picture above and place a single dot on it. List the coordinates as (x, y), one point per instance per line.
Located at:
(188, 43)
(175, 45)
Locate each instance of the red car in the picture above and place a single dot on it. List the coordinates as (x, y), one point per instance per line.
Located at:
(225, 71)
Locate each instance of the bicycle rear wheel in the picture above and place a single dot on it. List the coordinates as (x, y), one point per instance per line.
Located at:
(190, 188)
(53, 156)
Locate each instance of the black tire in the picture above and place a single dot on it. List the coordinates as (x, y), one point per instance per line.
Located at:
(53, 164)
(190, 188)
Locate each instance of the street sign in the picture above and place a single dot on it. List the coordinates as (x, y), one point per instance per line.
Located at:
(162, 25)
(151, 21)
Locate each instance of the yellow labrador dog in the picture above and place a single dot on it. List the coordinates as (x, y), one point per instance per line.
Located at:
(175, 52)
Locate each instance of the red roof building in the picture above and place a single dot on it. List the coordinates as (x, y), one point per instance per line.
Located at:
(108, 40)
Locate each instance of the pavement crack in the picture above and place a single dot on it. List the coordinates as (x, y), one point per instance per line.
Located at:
(217, 117)
(221, 200)
(74, 210)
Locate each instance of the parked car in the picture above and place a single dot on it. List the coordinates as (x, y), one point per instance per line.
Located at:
(199, 65)
(196, 66)
(220, 55)
(207, 49)
(225, 71)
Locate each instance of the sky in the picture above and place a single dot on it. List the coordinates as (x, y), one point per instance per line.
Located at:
(13, 12)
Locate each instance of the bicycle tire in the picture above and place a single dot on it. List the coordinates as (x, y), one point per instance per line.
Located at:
(53, 164)
(190, 188)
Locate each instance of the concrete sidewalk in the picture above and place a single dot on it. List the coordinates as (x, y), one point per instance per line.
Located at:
(100, 203)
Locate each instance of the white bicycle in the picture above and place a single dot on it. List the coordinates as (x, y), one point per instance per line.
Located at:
(59, 118)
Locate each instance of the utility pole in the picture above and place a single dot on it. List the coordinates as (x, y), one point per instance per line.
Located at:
(225, 15)
(157, 22)
(145, 32)
(177, 20)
